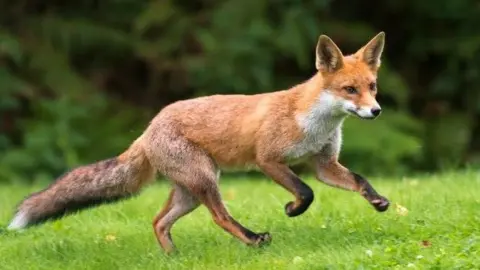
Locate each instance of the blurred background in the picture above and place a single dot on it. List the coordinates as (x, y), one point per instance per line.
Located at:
(79, 80)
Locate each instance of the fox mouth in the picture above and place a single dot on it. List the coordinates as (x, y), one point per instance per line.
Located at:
(355, 113)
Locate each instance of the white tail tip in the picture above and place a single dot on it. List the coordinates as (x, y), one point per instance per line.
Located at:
(20, 221)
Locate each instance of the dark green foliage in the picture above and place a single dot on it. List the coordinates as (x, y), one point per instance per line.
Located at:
(64, 133)
(390, 144)
(80, 80)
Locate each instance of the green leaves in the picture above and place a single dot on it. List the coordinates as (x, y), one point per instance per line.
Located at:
(10, 47)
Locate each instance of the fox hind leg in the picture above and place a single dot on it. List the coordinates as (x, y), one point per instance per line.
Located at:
(201, 183)
(179, 204)
(212, 200)
(194, 174)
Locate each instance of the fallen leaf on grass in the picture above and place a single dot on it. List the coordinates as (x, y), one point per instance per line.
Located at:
(369, 253)
(297, 260)
(401, 210)
(230, 194)
(426, 243)
(110, 237)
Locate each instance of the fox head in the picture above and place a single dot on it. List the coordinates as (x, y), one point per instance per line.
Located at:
(351, 79)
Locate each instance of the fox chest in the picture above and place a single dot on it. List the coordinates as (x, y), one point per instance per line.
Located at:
(308, 146)
(316, 136)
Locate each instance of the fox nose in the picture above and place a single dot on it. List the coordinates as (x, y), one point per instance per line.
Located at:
(376, 111)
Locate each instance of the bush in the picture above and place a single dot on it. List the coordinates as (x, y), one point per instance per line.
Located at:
(65, 133)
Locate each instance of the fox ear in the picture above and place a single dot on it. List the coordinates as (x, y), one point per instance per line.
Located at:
(329, 58)
(372, 52)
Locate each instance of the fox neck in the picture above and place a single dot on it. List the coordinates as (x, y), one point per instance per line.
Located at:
(320, 112)
(318, 120)
(322, 117)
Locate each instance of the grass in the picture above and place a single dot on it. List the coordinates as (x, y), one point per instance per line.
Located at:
(440, 230)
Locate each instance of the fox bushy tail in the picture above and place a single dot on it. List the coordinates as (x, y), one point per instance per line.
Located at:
(103, 182)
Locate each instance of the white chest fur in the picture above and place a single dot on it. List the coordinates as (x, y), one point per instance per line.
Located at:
(319, 125)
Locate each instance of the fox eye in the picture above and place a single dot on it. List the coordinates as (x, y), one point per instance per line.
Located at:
(373, 86)
(351, 89)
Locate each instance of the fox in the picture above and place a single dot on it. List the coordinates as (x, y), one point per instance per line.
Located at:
(191, 141)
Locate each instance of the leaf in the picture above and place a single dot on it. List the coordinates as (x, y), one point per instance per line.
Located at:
(11, 85)
(426, 243)
(110, 238)
(369, 253)
(56, 71)
(401, 210)
(156, 13)
(230, 194)
(10, 46)
(297, 260)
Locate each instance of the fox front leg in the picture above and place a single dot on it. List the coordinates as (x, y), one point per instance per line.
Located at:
(335, 174)
(283, 176)
(331, 172)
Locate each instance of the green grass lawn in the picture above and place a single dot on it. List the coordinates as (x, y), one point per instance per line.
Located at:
(440, 230)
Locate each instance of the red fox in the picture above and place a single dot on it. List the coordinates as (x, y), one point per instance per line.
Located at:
(190, 141)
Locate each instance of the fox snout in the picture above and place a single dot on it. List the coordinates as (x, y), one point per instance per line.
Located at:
(369, 112)
(364, 111)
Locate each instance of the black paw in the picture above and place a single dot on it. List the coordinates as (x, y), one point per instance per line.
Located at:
(381, 204)
(290, 209)
(293, 210)
(262, 239)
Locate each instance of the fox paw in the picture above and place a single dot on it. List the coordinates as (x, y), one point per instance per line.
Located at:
(381, 204)
(292, 209)
(262, 239)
